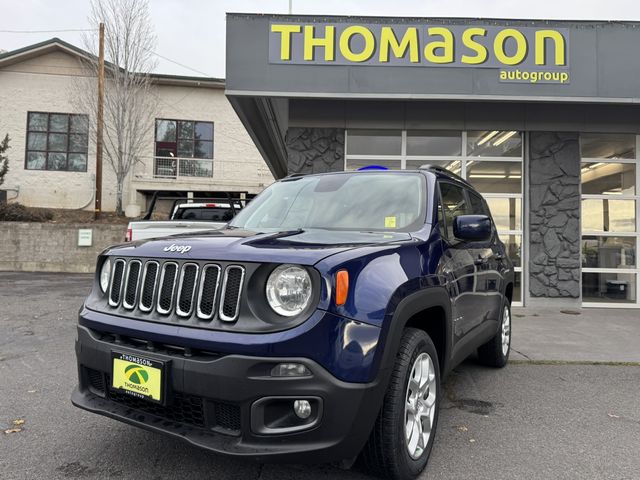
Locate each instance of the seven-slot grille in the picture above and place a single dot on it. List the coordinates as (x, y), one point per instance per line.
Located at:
(185, 289)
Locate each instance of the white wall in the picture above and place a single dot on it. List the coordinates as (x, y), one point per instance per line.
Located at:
(45, 83)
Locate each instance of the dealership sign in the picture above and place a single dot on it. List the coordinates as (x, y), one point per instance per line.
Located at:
(521, 54)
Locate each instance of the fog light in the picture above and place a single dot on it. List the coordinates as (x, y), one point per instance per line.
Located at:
(302, 408)
(290, 370)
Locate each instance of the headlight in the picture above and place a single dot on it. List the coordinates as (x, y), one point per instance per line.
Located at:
(288, 290)
(105, 275)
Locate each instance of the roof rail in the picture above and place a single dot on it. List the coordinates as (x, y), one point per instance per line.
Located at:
(438, 168)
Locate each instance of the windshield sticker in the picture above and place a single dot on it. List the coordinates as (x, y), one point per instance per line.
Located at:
(390, 222)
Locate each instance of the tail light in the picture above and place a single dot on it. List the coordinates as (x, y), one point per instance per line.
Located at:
(129, 235)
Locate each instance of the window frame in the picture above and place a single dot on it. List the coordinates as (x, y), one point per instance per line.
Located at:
(48, 132)
(177, 140)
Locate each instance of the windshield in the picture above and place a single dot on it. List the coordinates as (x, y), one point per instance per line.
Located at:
(356, 202)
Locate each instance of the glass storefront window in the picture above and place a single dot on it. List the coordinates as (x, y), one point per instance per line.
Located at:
(600, 178)
(517, 287)
(608, 252)
(391, 164)
(427, 142)
(607, 145)
(608, 287)
(494, 143)
(604, 215)
(506, 212)
(374, 142)
(513, 244)
(495, 177)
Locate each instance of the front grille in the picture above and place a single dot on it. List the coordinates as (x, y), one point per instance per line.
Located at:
(131, 285)
(96, 381)
(186, 289)
(229, 303)
(227, 416)
(167, 287)
(182, 408)
(116, 282)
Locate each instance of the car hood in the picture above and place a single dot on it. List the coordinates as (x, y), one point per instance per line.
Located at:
(305, 247)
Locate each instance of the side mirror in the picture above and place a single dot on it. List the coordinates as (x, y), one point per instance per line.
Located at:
(472, 227)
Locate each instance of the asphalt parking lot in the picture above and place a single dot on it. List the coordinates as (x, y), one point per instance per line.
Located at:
(529, 420)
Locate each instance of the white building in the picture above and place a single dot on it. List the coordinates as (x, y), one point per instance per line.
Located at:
(52, 159)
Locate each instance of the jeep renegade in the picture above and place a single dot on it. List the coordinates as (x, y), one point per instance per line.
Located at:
(317, 326)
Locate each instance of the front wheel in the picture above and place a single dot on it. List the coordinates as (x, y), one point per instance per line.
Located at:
(495, 353)
(402, 438)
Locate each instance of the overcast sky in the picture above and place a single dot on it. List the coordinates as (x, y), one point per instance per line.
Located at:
(192, 32)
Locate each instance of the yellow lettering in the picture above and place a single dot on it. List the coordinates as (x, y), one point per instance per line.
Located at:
(446, 44)
(345, 43)
(521, 50)
(388, 40)
(558, 43)
(285, 32)
(470, 43)
(503, 75)
(311, 42)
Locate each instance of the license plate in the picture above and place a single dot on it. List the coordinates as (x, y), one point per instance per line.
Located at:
(138, 376)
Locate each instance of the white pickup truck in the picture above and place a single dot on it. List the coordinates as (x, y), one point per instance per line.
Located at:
(185, 218)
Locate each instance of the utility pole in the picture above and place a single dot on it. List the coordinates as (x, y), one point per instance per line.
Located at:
(99, 123)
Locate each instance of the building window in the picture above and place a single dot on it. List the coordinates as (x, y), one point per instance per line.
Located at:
(610, 241)
(490, 160)
(183, 148)
(57, 141)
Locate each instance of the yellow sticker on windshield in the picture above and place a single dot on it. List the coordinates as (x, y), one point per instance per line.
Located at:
(390, 222)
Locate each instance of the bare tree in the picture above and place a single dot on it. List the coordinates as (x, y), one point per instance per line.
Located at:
(4, 160)
(129, 106)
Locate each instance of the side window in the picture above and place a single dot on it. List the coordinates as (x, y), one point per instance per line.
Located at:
(441, 222)
(454, 203)
(477, 204)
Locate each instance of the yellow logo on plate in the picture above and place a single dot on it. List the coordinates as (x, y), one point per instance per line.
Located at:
(133, 377)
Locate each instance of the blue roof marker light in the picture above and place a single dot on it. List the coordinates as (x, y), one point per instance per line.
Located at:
(372, 167)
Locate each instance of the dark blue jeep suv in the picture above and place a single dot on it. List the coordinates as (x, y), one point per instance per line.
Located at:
(315, 327)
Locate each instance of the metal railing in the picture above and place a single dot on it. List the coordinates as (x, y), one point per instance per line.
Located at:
(174, 167)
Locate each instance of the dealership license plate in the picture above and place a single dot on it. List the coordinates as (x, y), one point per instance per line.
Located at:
(138, 376)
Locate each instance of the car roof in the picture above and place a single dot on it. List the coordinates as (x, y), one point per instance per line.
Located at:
(436, 170)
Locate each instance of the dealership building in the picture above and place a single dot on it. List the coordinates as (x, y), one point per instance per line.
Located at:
(542, 117)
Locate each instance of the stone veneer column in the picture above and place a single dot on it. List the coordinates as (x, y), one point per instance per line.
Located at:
(554, 216)
(315, 150)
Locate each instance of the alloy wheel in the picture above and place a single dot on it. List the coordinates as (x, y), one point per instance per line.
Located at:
(420, 405)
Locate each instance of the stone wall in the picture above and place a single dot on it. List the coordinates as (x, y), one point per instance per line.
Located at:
(51, 247)
(315, 150)
(554, 217)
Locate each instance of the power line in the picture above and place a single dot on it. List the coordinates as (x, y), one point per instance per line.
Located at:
(181, 64)
(51, 31)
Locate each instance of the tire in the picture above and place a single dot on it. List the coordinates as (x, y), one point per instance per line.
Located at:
(387, 452)
(495, 353)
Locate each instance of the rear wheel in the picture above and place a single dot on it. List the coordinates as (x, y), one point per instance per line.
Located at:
(495, 353)
(402, 438)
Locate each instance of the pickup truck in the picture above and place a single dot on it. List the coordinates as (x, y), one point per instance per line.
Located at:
(185, 218)
(317, 326)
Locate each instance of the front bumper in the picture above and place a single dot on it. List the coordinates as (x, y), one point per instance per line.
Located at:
(213, 402)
